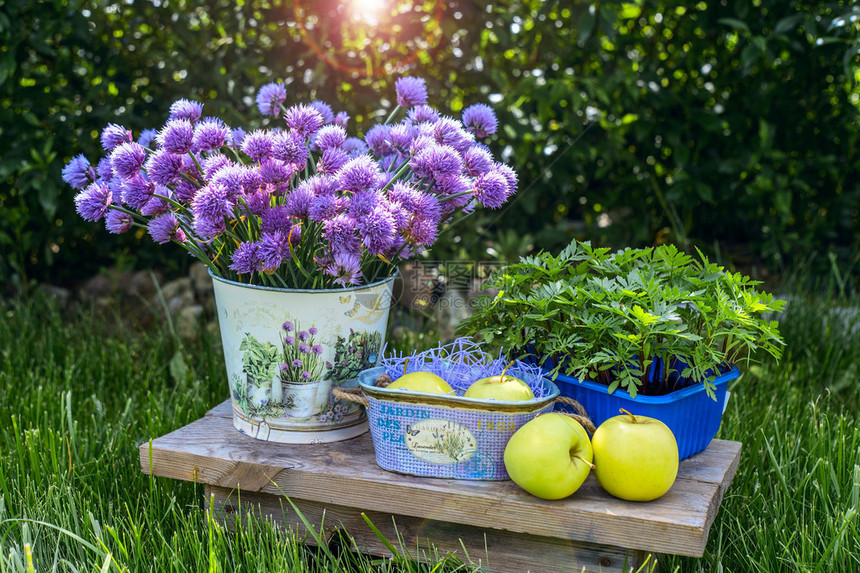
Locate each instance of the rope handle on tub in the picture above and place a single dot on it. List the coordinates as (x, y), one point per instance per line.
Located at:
(350, 395)
(581, 416)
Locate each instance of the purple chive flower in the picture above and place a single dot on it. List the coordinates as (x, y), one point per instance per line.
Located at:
(477, 160)
(332, 160)
(258, 202)
(306, 375)
(185, 109)
(449, 131)
(320, 185)
(423, 232)
(210, 134)
(177, 136)
(251, 180)
(284, 367)
(324, 110)
(127, 159)
(104, 170)
(213, 163)
(303, 120)
(137, 191)
(480, 119)
(323, 208)
(410, 91)
(400, 138)
(491, 189)
(258, 145)
(341, 119)
(304, 348)
(270, 97)
(185, 191)
(164, 167)
(165, 228)
(346, 268)
(330, 136)
(289, 340)
(275, 172)
(312, 331)
(304, 335)
(419, 143)
(510, 176)
(377, 230)
(78, 172)
(317, 349)
(290, 148)
(244, 259)
(146, 137)
(423, 114)
(274, 249)
(275, 219)
(288, 327)
(156, 205)
(117, 222)
(435, 161)
(377, 139)
(237, 136)
(361, 203)
(210, 206)
(340, 233)
(93, 203)
(354, 147)
(359, 173)
(114, 135)
(297, 363)
(297, 202)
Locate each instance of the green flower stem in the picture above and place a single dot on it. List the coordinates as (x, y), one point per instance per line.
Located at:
(397, 175)
(196, 162)
(455, 196)
(392, 114)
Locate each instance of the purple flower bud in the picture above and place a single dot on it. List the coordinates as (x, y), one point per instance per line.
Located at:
(340, 233)
(312, 331)
(341, 119)
(330, 136)
(244, 259)
(297, 363)
(410, 91)
(289, 340)
(258, 145)
(165, 228)
(290, 148)
(274, 249)
(93, 203)
(324, 110)
(303, 120)
(423, 114)
(491, 189)
(304, 348)
(137, 191)
(276, 218)
(449, 131)
(317, 349)
(284, 367)
(359, 173)
(270, 97)
(117, 222)
(377, 139)
(288, 326)
(127, 159)
(436, 160)
(377, 230)
(304, 335)
(164, 167)
(212, 164)
(275, 172)
(177, 136)
(332, 160)
(480, 119)
(185, 109)
(477, 160)
(210, 134)
(114, 135)
(306, 375)
(78, 172)
(297, 202)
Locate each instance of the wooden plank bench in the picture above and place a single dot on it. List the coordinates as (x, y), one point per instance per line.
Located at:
(491, 523)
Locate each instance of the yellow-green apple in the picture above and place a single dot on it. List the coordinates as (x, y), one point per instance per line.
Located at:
(502, 387)
(549, 456)
(422, 382)
(635, 457)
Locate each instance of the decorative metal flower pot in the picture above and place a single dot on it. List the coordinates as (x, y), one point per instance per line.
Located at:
(339, 332)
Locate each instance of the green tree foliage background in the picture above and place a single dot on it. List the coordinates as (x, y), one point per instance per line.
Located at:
(732, 125)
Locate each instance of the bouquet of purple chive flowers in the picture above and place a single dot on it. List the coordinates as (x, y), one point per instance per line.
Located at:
(298, 206)
(302, 358)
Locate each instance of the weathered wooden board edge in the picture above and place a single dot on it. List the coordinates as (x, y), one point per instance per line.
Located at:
(276, 478)
(496, 551)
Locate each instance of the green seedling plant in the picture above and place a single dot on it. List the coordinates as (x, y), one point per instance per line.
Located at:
(645, 320)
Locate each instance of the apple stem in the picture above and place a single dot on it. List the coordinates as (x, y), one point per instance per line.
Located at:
(632, 417)
(585, 461)
(502, 377)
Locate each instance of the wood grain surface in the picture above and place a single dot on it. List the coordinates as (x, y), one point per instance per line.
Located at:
(345, 475)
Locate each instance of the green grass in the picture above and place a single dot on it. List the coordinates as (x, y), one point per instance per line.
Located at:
(79, 393)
